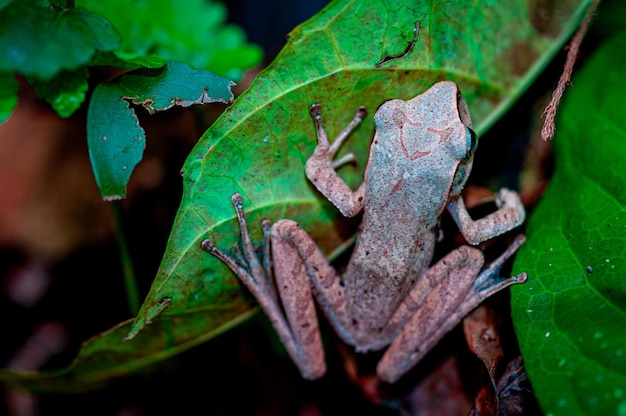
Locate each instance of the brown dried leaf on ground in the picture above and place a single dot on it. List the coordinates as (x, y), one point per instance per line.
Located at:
(481, 333)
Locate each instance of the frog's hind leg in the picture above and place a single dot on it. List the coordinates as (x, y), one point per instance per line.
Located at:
(446, 305)
(255, 273)
(300, 270)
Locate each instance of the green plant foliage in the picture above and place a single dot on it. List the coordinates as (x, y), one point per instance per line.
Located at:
(570, 317)
(8, 95)
(195, 33)
(116, 140)
(49, 45)
(65, 92)
(4, 3)
(258, 146)
(39, 41)
(52, 45)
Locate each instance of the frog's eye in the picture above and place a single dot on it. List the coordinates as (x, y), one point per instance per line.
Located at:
(471, 142)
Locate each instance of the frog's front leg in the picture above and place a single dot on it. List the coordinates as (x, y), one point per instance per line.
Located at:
(509, 215)
(452, 291)
(320, 167)
(300, 271)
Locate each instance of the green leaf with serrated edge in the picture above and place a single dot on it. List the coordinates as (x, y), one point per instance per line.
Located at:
(8, 95)
(259, 146)
(65, 92)
(116, 140)
(40, 41)
(570, 316)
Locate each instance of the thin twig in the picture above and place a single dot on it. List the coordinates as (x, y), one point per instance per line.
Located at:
(547, 132)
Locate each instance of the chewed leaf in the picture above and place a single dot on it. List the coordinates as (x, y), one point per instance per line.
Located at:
(175, 84)
(115, 138)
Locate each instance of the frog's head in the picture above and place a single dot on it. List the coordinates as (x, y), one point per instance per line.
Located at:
(454, 124)
(465, 148)
(433, 132)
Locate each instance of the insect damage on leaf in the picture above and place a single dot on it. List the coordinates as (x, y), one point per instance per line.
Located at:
(406, 50)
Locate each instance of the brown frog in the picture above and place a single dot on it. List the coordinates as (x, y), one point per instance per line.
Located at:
(420, 159)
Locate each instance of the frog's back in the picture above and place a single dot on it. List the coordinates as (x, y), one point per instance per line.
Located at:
(413, 162)
(394, 247)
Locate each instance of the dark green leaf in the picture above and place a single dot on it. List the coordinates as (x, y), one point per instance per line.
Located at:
(115, 138)
(123, 60)
(176, 84)
(40, 41)
(570, 316)
(5, 3)
(65, 92)
(8, 95)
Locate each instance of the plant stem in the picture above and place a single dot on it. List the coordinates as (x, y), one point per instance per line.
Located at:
(130, 281)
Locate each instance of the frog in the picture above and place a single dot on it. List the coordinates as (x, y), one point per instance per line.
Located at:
(390, 294)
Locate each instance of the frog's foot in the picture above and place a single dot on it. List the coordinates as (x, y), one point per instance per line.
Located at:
(324, 149)
(489, 283)
(246, 264)
(432, 321)
(298, 331)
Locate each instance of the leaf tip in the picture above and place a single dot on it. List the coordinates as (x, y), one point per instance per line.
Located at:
(111, 198)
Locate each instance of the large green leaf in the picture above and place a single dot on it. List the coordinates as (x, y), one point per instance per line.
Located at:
(570, 316)
(259, 145)
(258, 148)
(115, 138)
